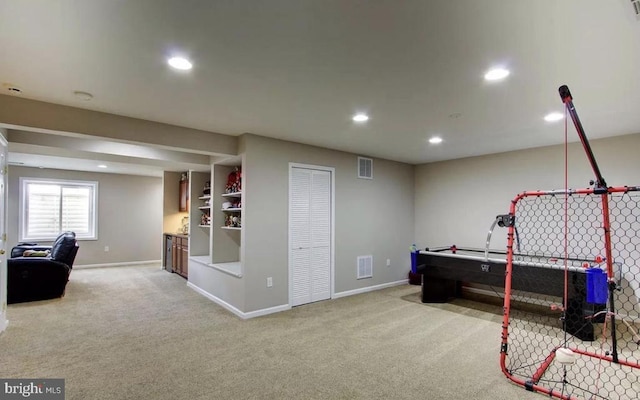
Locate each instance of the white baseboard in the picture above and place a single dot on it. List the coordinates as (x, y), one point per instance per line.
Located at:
(234, 310)
(266, 311)
(285, 307)
(119, 264)
(369, 289)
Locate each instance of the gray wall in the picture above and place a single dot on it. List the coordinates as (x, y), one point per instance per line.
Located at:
(456, 201)
(129, 215)
(371, 217)
(225, 287)
(36, 115)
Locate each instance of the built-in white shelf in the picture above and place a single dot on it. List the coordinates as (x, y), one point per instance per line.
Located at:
(203, 259)
(204, 207)
(232, 209)
(234, 194)
(204, 226)
(231, 228)
(205, 197)
(233, 268)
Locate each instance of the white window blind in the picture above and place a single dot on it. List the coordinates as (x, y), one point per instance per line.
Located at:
(49, 207)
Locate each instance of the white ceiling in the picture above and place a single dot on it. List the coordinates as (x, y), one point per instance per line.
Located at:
(299, 69)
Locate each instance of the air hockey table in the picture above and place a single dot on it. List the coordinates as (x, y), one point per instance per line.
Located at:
(444, 270)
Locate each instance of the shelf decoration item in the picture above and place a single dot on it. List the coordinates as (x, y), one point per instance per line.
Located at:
(234, 181)
(205, 217)
(232, 221)
(234, 204)
(183, 193)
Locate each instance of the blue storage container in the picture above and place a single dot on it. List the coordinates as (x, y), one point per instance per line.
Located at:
(414, 261)
(596, 286)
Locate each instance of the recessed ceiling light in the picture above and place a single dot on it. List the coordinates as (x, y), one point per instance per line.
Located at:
(360, 117)
(496, 74)
(554, 116)
(435, 140)
(180, 63)
(102, 166)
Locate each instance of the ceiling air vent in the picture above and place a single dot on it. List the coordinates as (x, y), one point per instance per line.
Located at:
(365, 267)
(365, 168)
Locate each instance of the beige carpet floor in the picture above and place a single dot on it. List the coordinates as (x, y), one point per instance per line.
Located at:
(141, 333)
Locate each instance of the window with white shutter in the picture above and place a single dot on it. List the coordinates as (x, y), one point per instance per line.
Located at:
(48, 207)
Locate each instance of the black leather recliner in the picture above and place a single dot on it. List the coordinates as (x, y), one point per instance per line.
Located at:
(41, 278)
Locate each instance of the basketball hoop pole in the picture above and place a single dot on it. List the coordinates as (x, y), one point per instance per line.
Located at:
(600, 188)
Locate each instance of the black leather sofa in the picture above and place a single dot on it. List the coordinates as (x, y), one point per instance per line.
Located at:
(40, 278)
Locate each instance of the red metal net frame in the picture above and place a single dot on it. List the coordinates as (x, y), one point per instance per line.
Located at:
(559, 358)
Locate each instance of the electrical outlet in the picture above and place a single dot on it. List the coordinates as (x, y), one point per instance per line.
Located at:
(269, 282)
(388, 262)
(106, 248)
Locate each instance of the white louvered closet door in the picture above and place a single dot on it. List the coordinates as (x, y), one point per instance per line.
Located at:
(310, 230)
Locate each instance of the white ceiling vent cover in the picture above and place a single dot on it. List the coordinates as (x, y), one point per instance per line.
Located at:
(365, 267)
(365, 168)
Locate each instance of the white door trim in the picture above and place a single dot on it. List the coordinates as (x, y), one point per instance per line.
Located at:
(332, 172)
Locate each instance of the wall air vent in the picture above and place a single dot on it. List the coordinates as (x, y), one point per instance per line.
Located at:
(365, 168)
(365, 267)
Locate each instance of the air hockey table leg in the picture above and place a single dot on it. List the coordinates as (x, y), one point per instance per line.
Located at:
(438, 290)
